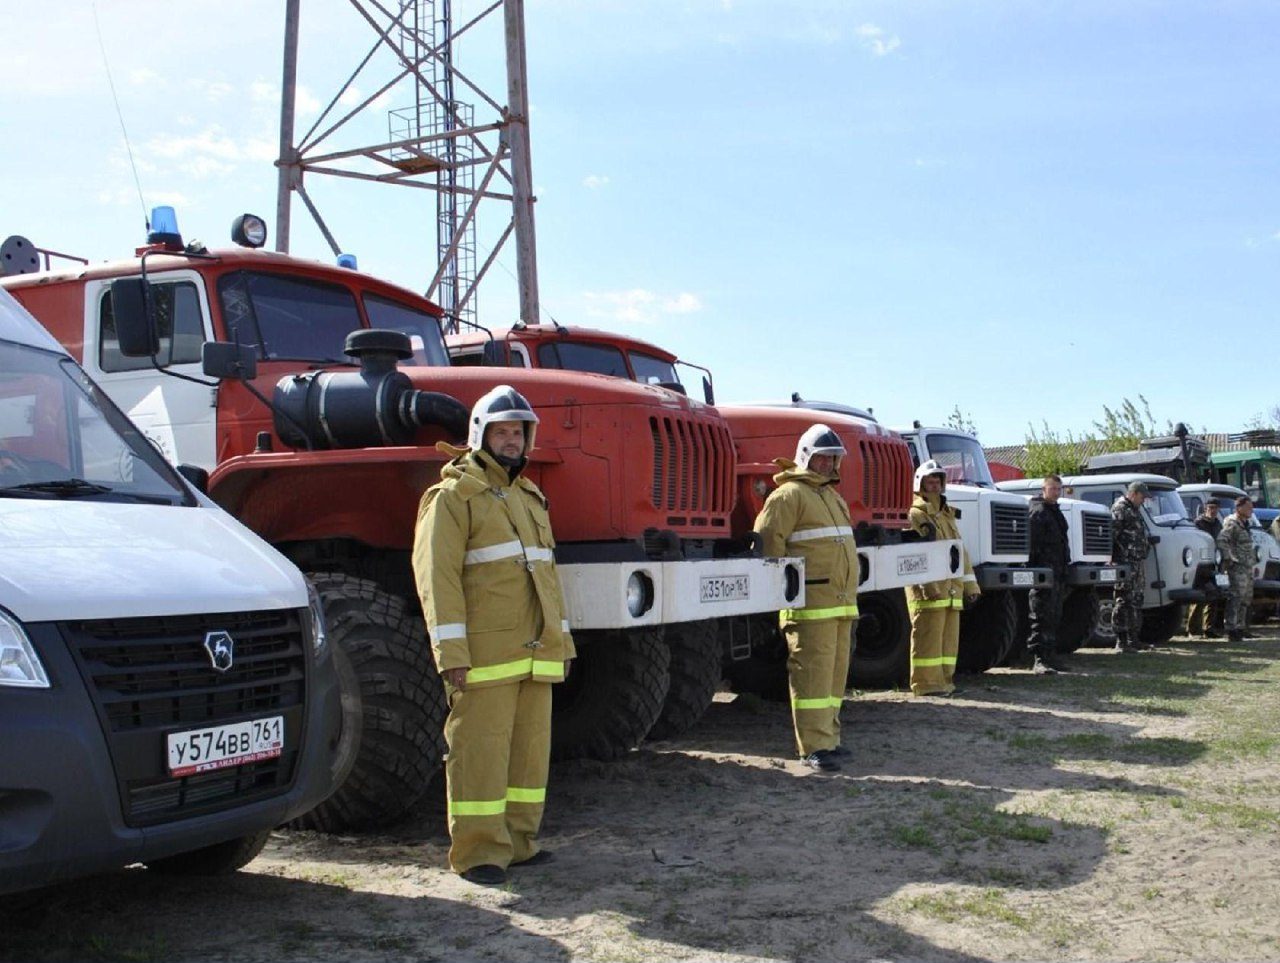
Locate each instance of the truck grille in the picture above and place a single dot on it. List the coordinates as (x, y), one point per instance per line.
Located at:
(152, 676)
(886, 476)
(1097, 533)
(692, 468)
(1010, 529)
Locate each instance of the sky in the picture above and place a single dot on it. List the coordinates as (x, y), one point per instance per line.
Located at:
(1026, 210)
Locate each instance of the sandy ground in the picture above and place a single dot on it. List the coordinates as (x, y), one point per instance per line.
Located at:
(1125, 812)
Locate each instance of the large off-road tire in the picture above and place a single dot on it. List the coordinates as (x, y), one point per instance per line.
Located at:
(1080, 614)
(1162, 624)
(986, 632)
(1017, 652)
(216, 860)
(393, 706)
(613, 696)
(882, 641)
(695, 674)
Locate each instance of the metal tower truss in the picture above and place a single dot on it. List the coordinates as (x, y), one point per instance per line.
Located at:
(434, 144)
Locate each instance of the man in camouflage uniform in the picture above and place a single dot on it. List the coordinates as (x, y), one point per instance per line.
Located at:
(1236, 545)
(1203, 617)
(1129, 544)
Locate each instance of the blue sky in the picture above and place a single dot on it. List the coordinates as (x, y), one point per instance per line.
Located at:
(1028, 210)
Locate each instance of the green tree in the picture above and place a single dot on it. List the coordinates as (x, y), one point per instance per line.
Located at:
(1049, 453)
(1121, 428)
(961, 421)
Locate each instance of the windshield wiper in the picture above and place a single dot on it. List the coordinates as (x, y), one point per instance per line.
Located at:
(59, 488)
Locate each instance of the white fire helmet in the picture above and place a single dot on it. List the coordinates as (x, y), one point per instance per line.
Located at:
(930, 467)
(503, 403)
(818, 440)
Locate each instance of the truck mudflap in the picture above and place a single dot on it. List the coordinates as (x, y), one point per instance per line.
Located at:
(613, 595)
(909, 563)
(1099, 576)
(1012, 577)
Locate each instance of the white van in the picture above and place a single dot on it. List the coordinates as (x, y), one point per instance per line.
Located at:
(167, 695)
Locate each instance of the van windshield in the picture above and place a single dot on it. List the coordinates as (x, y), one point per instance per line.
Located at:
(1166, 507)
(61, 438)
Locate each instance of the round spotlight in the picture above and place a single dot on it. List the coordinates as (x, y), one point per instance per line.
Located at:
(639, 594)
(249, 230)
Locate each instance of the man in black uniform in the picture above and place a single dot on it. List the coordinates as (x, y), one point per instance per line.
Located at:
(1049, 547)
(1129, 544)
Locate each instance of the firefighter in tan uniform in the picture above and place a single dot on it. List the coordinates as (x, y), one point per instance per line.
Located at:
(806, 516)
(482, 559)
(935, 606)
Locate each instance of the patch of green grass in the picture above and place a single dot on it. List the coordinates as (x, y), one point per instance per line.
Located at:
(949, 907)
(915, 836)
(1239, 815)
(1101, 746)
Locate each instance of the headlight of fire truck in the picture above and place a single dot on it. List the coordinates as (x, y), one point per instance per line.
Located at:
(639, 594)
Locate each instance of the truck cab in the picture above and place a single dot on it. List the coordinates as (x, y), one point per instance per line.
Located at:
(1181, 561)
(168, 692)
(1257, 473)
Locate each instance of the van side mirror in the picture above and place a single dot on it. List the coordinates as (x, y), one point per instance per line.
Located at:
(135, 318)
(223, 359)
(496, 354)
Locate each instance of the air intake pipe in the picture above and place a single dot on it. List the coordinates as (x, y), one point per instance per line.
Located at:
(369, 408)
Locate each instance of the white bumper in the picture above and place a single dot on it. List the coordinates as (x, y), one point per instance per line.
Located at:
(897, 566)
(595, 593)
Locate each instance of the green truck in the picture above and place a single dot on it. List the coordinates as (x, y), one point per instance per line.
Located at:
(1257, 471)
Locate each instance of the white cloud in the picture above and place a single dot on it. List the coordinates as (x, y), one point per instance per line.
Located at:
(264, 93)
(595, 181)
(140, 76)
(351, 96)
(213, 90)
(128, 197)
(878, 40)
(210, 152)
(639, 305)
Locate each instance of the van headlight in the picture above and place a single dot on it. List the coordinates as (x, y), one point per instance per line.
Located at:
(315, 614)
(639, 594)
(1188, 557)
(19, 664)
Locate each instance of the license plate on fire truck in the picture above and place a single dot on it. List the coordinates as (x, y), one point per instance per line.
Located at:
(725, 588)
(219, 747)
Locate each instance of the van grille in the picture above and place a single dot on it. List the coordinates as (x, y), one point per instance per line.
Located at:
(1097, 533)
(692, 469)
(152, 676)
(1010, 529)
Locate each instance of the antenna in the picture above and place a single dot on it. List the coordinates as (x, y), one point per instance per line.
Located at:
(436, 143)
(120, 116)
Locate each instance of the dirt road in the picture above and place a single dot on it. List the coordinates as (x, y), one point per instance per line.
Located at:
(1128, 811)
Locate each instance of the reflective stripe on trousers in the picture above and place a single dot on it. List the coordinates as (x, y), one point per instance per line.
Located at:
(815, 615)
(817, 672)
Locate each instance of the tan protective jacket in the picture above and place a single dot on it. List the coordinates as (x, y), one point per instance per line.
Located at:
(482, 559)
(934, 510)
(1236, 543)
(806, 516)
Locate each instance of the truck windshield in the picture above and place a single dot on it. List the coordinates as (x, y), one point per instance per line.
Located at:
(1166, 507)
(962, 457)
(423, 329)
(653, 371)
(61, 438)
(575, 356)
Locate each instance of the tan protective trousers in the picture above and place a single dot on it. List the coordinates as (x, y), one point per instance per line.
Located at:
(817, 670)
(499, 752)
(935, 640)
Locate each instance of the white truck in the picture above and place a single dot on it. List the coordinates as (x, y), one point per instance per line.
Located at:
(167, 692)
(1181, 562)
(996, 533)
(1266, 552)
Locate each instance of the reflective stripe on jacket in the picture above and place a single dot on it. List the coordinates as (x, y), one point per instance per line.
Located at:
(945, 592)
(806, 517)
(482, 559)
